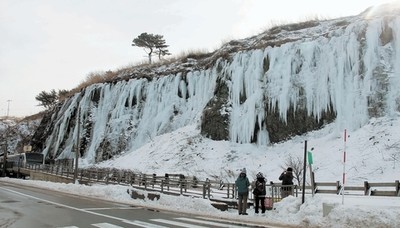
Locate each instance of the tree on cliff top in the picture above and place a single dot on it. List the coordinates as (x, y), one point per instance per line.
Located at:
(49, 99)
(152, 44)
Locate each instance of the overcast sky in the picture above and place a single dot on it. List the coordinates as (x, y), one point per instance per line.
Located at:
(55, 44)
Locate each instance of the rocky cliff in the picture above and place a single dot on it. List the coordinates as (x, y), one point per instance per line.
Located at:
(265, 89)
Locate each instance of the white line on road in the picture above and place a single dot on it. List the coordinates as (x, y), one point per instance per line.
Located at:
(177, 223)
(63, 205)
(106, 225)
(67, 227)
(144, 224)
(110, 208)
(209, 222)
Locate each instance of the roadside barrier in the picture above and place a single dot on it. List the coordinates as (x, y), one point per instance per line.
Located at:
(214, 190)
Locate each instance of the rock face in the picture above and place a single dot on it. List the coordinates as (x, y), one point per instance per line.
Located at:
(265, 89)
(298, 123)
(215, 118)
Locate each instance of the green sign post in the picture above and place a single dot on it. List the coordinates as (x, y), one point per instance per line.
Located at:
(310, 162)
(310, 158)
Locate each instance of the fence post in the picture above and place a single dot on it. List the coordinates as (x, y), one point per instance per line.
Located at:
(209, 189)
(108, 176)
(144, 181)
(366, 188)
(154, 180)
(119, 176)
(182, 182)
(234, 191)
(204, 190)
(81, 174)
(338, 187)
(195, 181)
(167, 181)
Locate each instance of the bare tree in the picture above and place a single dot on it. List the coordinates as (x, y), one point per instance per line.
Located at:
(297, 164)
(394, 156)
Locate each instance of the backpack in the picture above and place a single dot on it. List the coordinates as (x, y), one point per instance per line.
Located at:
(259, 188)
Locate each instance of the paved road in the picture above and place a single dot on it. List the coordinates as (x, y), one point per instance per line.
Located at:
(22, 206)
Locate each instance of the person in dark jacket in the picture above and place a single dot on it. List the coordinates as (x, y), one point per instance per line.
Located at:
(287, 179)
(259, 193)
(242, 184)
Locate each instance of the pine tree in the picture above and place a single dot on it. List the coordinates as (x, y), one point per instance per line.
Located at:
(47, 99)
(152, 44)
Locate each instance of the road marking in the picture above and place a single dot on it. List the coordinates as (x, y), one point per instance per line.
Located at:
(208, 222)
(177, 223)
(110, 208)
(144, 224)
(63, 205)
(106, 225)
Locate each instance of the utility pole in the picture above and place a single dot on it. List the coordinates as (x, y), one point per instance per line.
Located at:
(304, 171)
(8, 107)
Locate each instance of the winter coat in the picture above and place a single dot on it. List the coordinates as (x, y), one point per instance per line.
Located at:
(260, 187)
(286, 178)
(242, 184)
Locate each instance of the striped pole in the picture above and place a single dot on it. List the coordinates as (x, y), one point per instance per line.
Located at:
(344, 164)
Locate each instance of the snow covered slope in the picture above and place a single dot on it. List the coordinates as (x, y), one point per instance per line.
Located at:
(282, 83)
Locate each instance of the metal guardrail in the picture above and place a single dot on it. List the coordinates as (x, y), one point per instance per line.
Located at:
(179, 184)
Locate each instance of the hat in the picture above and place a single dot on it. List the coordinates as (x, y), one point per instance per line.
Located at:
(259, 175)
(289, 169)
(243, 171)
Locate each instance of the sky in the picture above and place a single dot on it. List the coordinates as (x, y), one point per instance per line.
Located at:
(55, 44)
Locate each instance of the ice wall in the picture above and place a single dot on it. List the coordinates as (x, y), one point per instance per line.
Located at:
(348, 68)
(130, 113)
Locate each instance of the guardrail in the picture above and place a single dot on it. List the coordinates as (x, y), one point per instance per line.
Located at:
(178, 184)
(376, 188)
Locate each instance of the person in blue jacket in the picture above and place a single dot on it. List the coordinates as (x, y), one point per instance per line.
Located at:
(242, 185)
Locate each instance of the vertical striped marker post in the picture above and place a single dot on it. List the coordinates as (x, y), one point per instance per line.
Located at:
(344, 164)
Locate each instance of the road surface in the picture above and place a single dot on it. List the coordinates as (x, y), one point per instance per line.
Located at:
(23, 206)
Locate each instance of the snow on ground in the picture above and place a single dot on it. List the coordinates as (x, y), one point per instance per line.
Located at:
(357, 211)
(372, 152)
(372, 155)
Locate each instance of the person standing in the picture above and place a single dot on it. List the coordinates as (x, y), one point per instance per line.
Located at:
(287, 179)
(242, 185)
(260, 193)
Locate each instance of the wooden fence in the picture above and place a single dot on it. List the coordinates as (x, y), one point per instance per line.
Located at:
(367, 189)
(179, 184)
